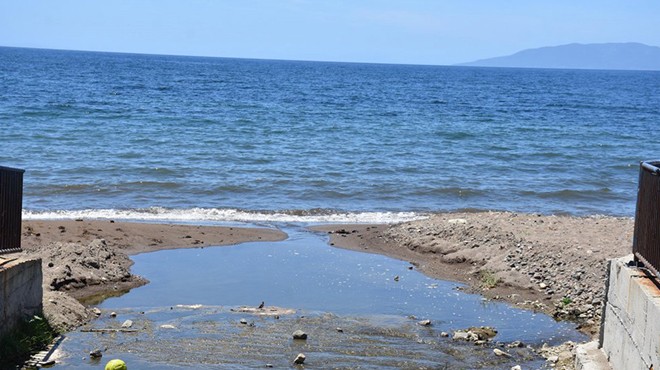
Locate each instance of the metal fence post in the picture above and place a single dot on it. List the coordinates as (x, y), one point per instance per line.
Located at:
(646, 238)
(11, 205)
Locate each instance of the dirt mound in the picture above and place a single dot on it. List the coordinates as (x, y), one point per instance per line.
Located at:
(79, 270)
(69, 266)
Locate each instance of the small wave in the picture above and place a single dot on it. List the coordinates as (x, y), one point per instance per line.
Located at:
(227, 215)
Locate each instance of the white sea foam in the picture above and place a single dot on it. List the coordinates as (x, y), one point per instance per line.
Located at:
(226, 215)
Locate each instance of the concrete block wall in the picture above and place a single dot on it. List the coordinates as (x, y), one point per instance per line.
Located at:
(631, 327)
(20, 292)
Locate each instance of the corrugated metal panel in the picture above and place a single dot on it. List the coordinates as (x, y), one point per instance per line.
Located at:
(646, 239)
(11, 204)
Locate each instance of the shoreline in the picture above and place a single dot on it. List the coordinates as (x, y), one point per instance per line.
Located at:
(553, 264)
(89, 260)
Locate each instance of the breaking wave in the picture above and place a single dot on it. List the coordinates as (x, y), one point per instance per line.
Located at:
(227, 215)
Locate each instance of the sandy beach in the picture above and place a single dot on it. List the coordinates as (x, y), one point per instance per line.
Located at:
(554, 264)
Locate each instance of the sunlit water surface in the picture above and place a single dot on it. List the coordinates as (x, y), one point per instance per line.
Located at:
(197, 291)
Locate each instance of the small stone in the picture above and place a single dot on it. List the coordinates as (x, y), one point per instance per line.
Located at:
(444, 334)
(299, 334)
(461, 335)
(396, 278)
(96, 354)
(96, 311)
(113, 314)
(269, 365)
(543, 285)
(425, 323)
(516, 344)
(300, 359)
(127, 324)
(243, 321)
(552, 359)
(499, 352)
(167, 326)
(517, 367)
(340, 330)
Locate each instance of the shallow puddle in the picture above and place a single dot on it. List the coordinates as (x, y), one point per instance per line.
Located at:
(187, 316)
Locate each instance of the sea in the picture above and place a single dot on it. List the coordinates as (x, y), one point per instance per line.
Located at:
(199, 139)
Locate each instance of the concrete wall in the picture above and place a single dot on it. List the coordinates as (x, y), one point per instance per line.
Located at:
(20, 291)
(631, 324)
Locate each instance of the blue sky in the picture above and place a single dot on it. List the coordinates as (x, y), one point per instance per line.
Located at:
(385, 31)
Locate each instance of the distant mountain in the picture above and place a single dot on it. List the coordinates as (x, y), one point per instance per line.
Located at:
(630, 56)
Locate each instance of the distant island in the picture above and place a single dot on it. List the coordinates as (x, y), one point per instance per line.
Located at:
(626, 56)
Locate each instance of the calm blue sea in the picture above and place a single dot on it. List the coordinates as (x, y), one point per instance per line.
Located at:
(190, 138)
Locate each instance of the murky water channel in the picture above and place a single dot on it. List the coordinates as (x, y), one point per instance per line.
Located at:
(187, 316)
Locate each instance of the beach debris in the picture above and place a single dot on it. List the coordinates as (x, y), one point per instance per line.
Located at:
(190, 306)
(96, 353)
(127, 324)
(424, 323)
(516, 344)
(499, 352)
(115, 364)
(299, 334)
(474, 334)
(340, 232)
(264, 311)
(108, 330)
(483, 332)
(300, 359)
(461, 335)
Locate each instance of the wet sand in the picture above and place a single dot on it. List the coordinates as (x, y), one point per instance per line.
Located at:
(89, 259)
(554, 264)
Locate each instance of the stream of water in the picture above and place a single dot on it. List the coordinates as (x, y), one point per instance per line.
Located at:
(187, 316)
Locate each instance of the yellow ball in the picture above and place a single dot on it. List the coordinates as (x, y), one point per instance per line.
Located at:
(116, 365)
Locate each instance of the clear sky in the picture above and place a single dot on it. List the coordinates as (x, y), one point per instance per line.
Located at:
(385, 31)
